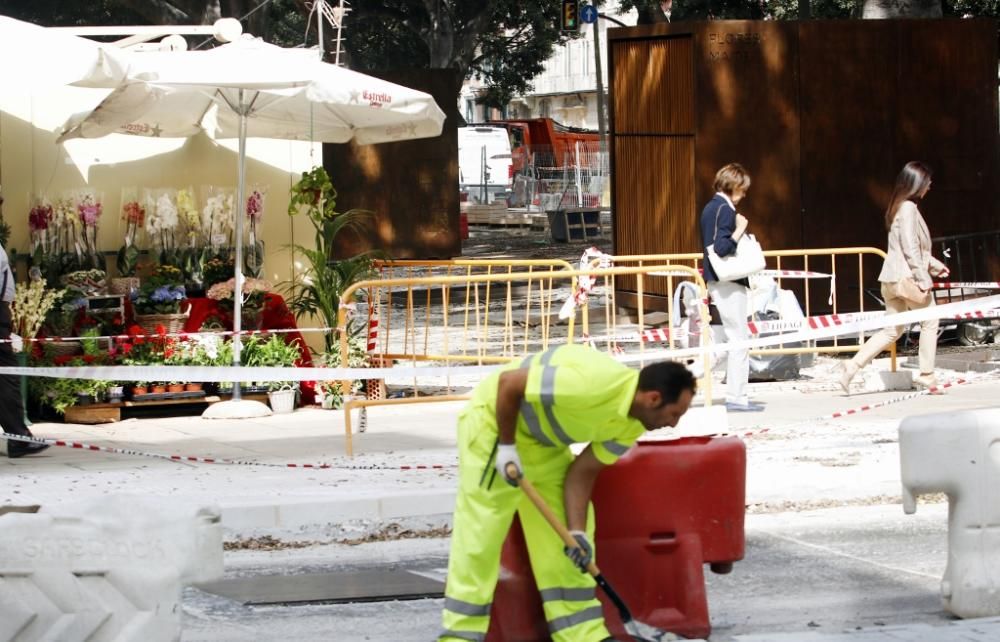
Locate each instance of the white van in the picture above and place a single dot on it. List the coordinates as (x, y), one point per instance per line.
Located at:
(484, 163)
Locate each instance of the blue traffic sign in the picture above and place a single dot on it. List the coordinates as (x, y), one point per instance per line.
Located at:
(588, 13)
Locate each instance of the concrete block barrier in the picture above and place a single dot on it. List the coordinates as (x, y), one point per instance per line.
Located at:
(109, 569)
(958, 453)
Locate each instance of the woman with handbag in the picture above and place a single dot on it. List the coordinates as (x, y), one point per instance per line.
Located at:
(906, 276)
(721, 230)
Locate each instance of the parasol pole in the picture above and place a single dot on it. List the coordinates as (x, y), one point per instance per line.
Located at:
(238, 213)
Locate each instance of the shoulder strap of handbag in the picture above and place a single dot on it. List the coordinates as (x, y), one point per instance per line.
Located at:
(715, 235)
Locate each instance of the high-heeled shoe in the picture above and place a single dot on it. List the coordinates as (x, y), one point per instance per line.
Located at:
(847, 371)
(927, 381)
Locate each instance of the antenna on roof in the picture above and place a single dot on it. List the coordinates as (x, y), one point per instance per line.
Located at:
(335, 17)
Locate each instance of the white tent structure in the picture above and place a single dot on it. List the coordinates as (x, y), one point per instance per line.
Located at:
(35, 57)
(251, 88)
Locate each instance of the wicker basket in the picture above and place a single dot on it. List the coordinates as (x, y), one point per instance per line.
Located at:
(62, 348)
(174, 323)
(124, 284)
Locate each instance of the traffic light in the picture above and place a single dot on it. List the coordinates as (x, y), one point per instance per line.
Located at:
(570, 17)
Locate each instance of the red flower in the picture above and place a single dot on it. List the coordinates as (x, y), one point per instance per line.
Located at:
(126, 348)
(88, 358)
(62, 359)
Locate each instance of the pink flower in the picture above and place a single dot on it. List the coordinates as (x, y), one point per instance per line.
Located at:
(89, 214)
(255, 206)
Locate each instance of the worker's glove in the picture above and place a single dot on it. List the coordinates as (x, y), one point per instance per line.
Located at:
(582, 553)
(16, 343)
(507, 454)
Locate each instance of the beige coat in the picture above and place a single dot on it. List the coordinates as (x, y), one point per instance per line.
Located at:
(909, 252)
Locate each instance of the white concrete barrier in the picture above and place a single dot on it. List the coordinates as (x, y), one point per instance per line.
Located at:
(111, 569)
(958, 453)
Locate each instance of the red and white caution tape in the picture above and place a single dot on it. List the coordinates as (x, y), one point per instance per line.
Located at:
(172, 335)
(192, 459)
(979, 285)
(793, 274)
(584, 283)
(828, 329)
(840, 414)
(814, 322)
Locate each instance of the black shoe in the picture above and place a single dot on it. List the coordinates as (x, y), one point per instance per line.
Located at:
(17, 449)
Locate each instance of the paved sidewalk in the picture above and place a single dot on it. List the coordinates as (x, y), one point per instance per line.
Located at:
(847, 459)
(800, 457)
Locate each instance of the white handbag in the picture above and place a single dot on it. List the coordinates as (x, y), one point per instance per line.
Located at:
(746, 260)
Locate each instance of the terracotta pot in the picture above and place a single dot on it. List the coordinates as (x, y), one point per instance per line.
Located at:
(193, 387)
(139, 390)
(175, 387)
(157, 389)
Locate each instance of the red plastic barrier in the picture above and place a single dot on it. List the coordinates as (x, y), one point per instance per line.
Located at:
(463, 225)
(663, 511)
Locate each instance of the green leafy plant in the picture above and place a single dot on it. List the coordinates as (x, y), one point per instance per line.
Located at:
(318, 289)
(272, 352)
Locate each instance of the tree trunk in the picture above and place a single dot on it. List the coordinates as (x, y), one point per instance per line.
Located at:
(651, 12)
(880, 9)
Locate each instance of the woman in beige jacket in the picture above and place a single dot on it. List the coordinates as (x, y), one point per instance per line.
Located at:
(909, 255)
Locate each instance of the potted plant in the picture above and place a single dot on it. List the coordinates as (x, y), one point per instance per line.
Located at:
(158, 300)
(254, 294)
(134, 214)
(317, 290)
(275, 352)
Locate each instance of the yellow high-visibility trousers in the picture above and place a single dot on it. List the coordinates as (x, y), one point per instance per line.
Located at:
(484, 510)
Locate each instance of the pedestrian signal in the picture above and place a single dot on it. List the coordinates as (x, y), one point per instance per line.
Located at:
(570, 18)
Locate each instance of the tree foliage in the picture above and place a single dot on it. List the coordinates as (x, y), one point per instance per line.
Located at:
(505, 42)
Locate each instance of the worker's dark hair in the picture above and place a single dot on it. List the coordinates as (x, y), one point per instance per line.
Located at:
(669, 378)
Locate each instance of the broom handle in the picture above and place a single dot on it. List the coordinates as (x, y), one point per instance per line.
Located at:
(549, 515)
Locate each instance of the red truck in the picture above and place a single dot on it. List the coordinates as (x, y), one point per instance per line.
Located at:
(553, 144)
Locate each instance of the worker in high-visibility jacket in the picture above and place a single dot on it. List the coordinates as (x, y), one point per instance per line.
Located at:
(528, 414)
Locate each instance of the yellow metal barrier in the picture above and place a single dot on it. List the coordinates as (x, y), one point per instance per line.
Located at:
(821, 260)
(481, 328)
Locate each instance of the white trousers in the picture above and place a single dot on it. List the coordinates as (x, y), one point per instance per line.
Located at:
(731, 301)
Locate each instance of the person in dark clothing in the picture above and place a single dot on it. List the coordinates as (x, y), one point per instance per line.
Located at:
(722, 227)
(11, 407)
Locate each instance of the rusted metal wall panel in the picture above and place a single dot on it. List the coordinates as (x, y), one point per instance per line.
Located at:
(653, 93)
(748, 112)
(412, 186)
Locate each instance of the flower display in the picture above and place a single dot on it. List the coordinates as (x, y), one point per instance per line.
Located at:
(162, 214)
(253, 262)
(134, 215)
(253, 291)
(39, 217)
(217, 217)
(255, 206)
(161, 293)
(89, 209)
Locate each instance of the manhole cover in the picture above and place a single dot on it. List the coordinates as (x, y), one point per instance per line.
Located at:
(328, 588)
